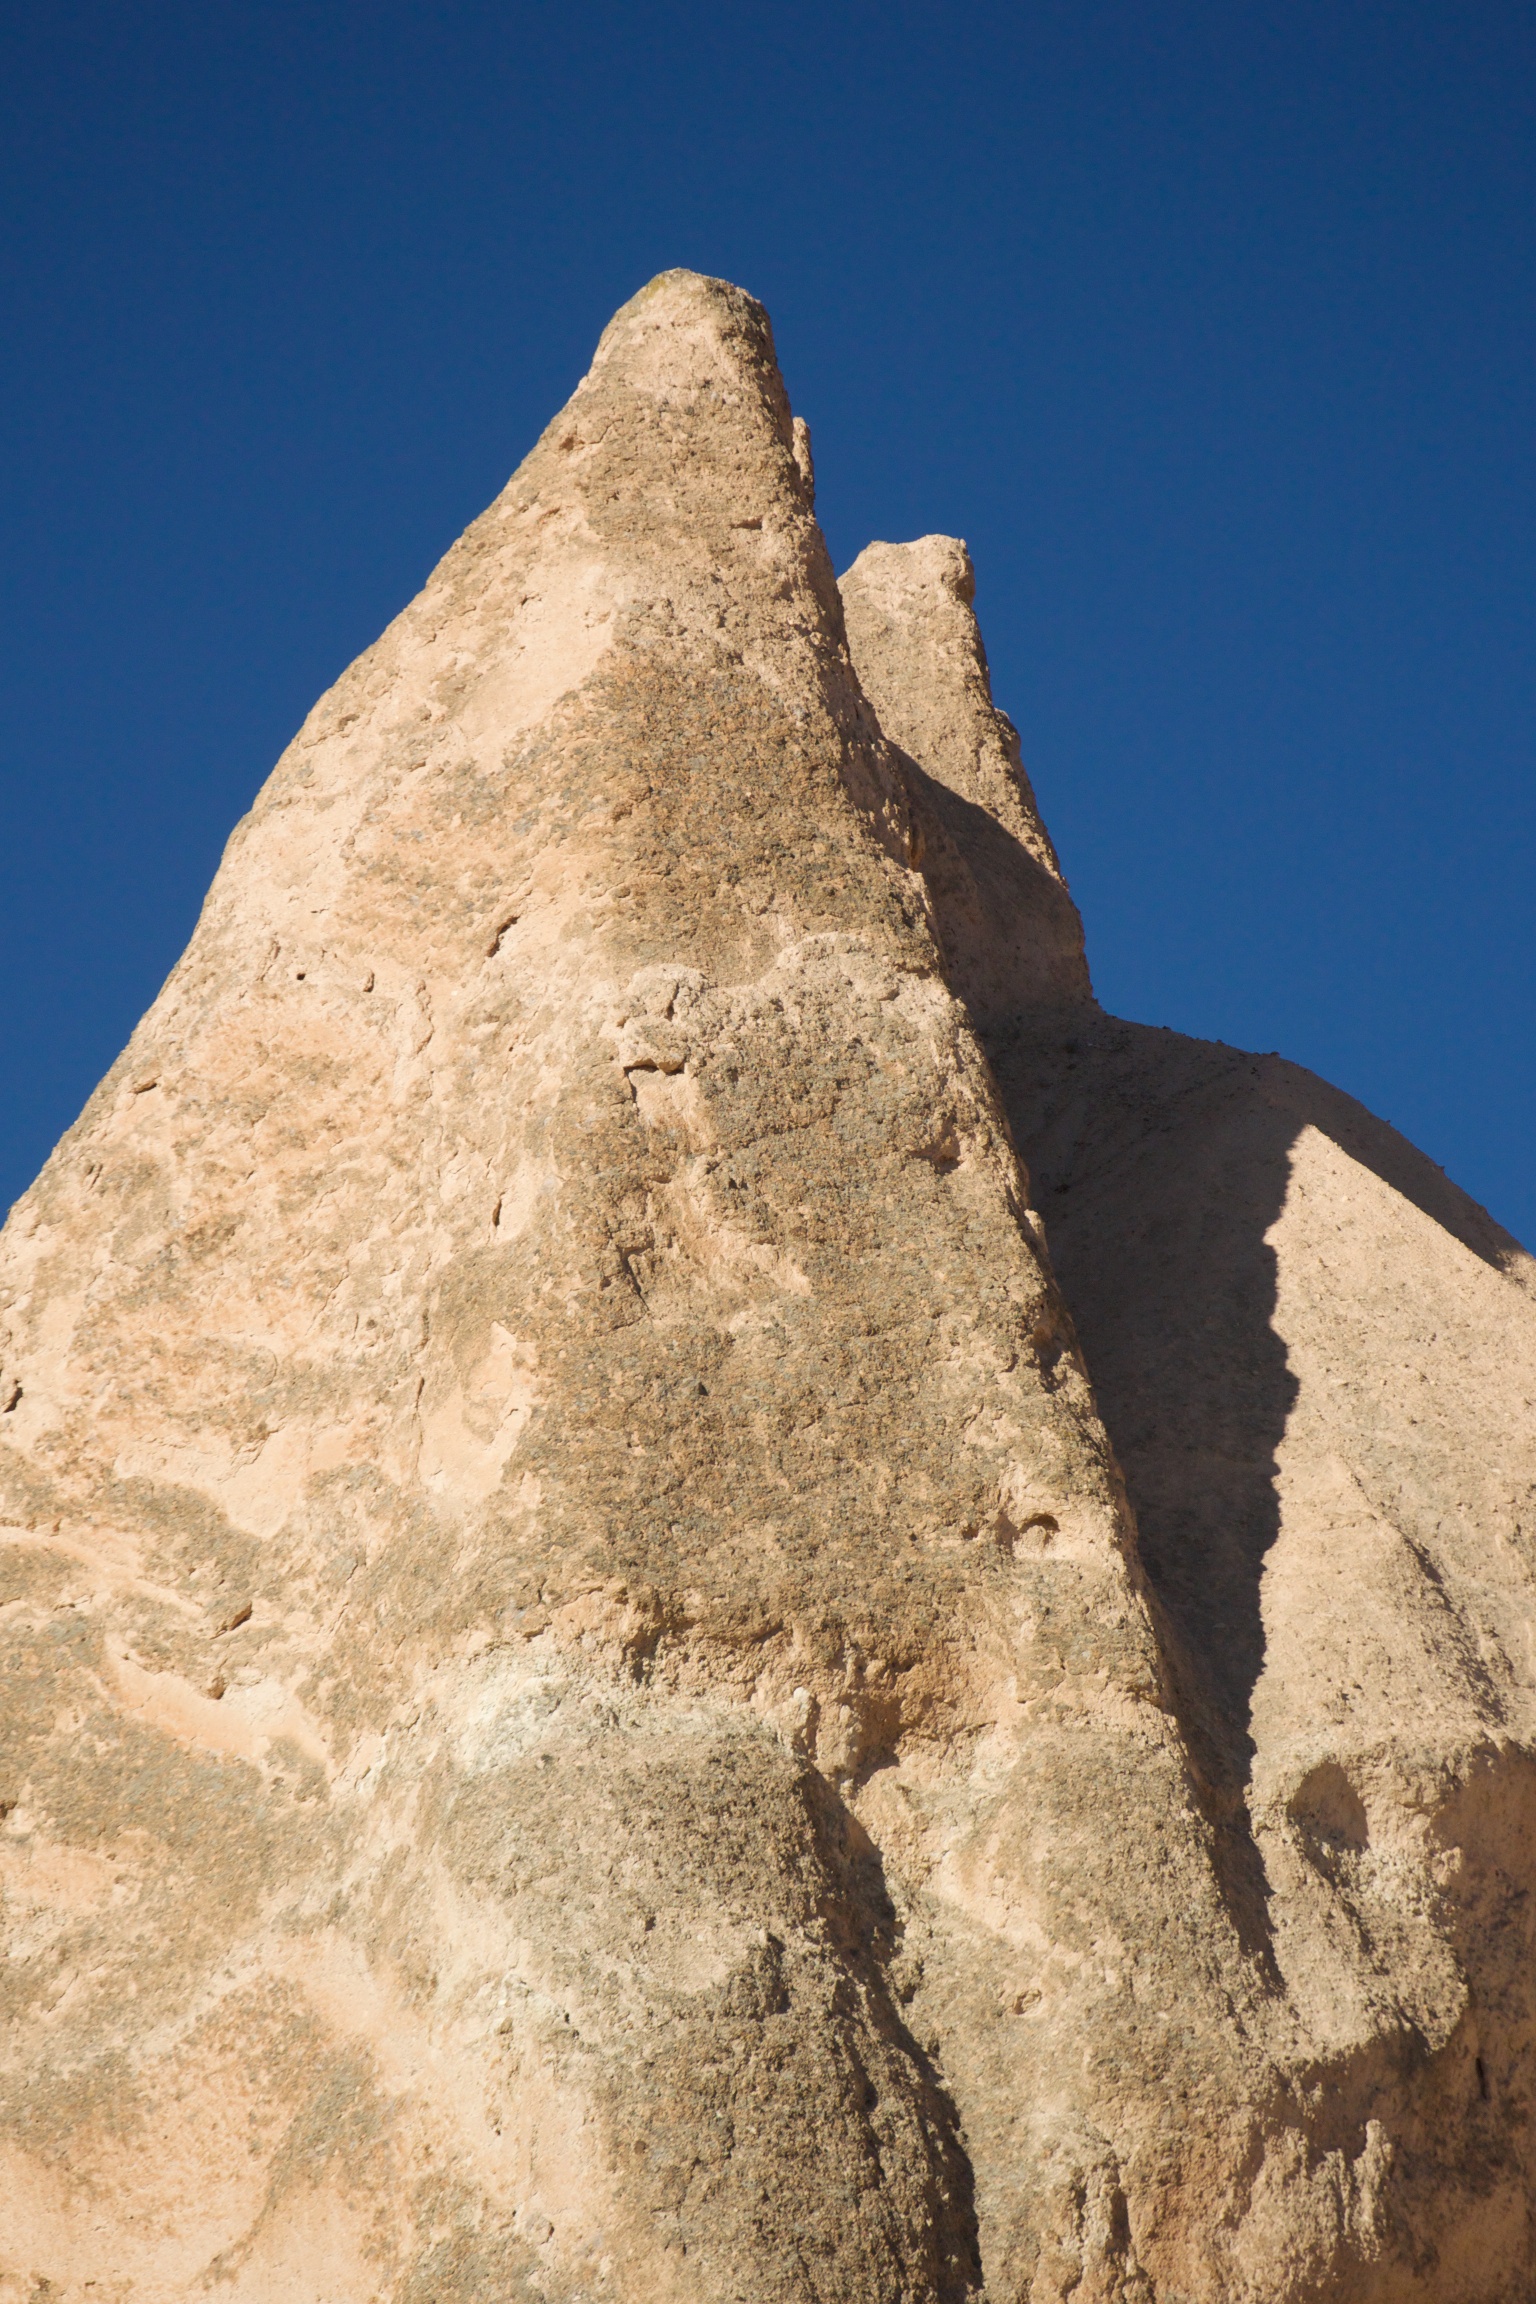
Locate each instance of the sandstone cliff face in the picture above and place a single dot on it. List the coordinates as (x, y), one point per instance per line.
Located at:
(585, 1710)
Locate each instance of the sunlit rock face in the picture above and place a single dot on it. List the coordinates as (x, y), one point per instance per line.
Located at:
(613, 1687)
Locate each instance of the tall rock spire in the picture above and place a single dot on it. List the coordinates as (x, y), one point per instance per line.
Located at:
(530, 1381)
(582, 1712)
(1316, 1359)
(1012, 940)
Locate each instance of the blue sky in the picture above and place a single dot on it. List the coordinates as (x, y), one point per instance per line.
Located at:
(1210, 327)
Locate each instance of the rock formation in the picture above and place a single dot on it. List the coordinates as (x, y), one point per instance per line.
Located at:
(610, 1690)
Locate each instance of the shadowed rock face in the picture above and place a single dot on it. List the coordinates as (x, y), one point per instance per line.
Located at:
(1008, 929)
(1316, 1360)
(583, 1711)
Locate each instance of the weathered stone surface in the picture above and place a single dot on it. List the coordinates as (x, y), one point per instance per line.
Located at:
(583, 1711)
(1009, 930)
(1317, 1362)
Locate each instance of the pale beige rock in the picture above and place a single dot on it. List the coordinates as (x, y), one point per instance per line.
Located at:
(582, 1711)
(1317, 1362)
(1010, 933)
(529, 1373)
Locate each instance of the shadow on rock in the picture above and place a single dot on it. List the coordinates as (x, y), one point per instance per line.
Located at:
(1160, 1164)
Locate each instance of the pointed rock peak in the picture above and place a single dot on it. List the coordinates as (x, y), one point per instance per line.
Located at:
(1011, 931)
(684, 332)
(664, 517)
(685, 338)
(920, 656)
(566, 1281)
(548, 1492)
(908, 575)
(686, 381)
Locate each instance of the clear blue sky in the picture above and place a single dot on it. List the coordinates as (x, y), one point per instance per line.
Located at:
(1209, 326)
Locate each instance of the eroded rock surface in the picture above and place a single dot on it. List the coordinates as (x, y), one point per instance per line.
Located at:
(1316, 1359)
(584, 1711)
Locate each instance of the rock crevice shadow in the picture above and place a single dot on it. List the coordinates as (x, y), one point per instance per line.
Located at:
(1160, 1164)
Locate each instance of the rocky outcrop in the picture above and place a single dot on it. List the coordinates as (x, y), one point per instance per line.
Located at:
(1011, 939)
(1316, 1360)
(585, 1710)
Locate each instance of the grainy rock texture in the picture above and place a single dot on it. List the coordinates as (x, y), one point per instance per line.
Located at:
(1009, 931)
(584, 1711)
(1316, 1360)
